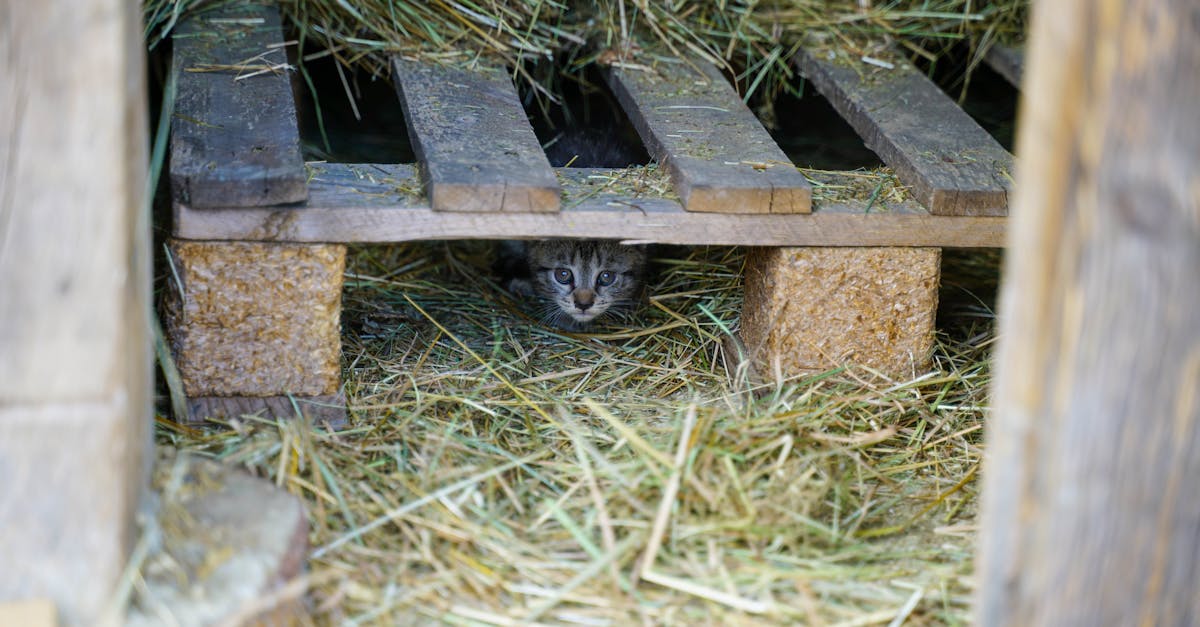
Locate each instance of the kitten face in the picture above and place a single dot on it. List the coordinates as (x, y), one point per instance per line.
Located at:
(583, 280)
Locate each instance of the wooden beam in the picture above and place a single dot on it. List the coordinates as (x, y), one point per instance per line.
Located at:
(1090, 514)
(75, 361)
(473, 139)
(720, 157)
(234, 140)
(953, 165)
(379, 203)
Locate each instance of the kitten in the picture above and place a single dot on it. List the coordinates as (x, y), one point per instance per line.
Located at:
(577, 281)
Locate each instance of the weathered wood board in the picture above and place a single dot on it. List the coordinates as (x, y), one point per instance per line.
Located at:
(1008, 62)
(953, 165)
(234, 543)
(234, 139)
(76, 378)
(1090, 513)
(720, 157)
(380, 203)
(476, 148)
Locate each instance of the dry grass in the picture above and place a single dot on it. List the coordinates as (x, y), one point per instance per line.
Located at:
(497, 472)
(752, 39)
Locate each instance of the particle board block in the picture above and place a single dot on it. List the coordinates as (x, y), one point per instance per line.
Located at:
(812, 309)
(477, 151)
(720, 157)
(234, 137)
(953, 166)
(378, 203)
(251, 319)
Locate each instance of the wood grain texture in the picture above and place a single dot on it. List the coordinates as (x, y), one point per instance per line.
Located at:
(1008, 61)
(327, 409)
(953, 166)
(720, 157)
(75, 362)
(477, 151)
(378, 203)
(1090, 515)
(234, 137)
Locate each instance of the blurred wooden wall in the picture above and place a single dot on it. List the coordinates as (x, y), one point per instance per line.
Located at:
(1092, 480)
(75, 364)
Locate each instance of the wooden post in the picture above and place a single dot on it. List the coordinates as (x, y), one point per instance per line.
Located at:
(75, 364)
(1090, 513)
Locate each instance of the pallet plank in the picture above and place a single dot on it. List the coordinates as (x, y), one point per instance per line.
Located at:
(954, 166)
(379, 203)
(234, 139)
(720, 157)
(328, 409)
(478, 152)
(1008, 61)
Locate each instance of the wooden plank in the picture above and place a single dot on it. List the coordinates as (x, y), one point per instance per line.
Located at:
(234, 139)
(71, 486)
(720, 157)
(326, 410)
(378, 203)
(1090, 515)
(473, 140)
(75, 362)
(243, 548)
(1008, 61)
(953, 166)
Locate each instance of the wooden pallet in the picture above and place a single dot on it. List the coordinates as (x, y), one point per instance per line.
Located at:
(1008, 61)
(237, 176)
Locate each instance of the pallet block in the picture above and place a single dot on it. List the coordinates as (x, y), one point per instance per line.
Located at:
(810, 309)
(255, 327)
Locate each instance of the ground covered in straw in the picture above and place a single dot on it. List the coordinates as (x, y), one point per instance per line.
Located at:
(499, 472)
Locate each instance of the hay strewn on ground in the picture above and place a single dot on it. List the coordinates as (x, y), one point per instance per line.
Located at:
(498, 472)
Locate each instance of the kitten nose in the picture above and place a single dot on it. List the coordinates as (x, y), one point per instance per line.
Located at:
(584, 299)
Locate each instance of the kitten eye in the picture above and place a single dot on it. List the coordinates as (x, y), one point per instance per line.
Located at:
(563, 275)
(606, 278)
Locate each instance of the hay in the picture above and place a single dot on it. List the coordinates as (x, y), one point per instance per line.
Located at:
(754, 40)
(498, 472)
